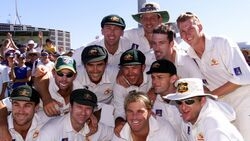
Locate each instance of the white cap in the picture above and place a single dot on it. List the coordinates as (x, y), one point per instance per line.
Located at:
(187, 88)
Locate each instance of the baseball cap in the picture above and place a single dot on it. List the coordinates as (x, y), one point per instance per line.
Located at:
(151, 7)
(162, 66)
(84, 97)
(94, 53)
(65, 62)
(113, 20)
(25, 93)
(187, 88)
(132, 57)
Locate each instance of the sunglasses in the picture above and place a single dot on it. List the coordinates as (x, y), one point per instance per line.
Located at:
(187, 102)
(68, 75)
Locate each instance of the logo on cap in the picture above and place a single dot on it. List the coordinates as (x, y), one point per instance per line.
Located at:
(115, 19)
(182, 87)
(128, 57)
(156, 65)
(67, 61)
(93, 52)
(87, 96)
(24, 92)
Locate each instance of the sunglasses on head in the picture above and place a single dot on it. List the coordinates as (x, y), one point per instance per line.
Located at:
(187, 101)
(68, 75)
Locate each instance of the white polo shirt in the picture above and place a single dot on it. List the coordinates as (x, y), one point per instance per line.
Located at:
(121, 92)
(124, 44)
(104, 89)
(222, 61)
(60, 129)
(37, 123)
(136, 36)
(212, 125)
(158, 132)
(168, 112)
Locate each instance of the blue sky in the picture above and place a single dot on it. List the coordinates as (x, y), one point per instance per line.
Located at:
(82, 18)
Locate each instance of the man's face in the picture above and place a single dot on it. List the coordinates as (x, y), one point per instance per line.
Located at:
(149, 21)
(80, 113)
(23, 112)
(161, 46)
(137, 116)
(64, 79)
(161, 83)
(112, 34)
(190, 108)
(95, 70)
(133, 73)
(190, 31)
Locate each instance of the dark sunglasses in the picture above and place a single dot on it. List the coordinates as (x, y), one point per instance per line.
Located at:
(187, 101)
(68, 75)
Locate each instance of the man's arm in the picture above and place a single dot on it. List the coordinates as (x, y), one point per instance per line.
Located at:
(225, 89)
(50, 106)
(4, 132)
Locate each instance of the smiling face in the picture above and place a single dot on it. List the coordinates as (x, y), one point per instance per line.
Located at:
(190, 113)
(112, 34)
(191, 31)
(79, 115)
(133, 73)
(95, 70)
(64, 79)
(149, 21)
(23, 112)
(137, 116)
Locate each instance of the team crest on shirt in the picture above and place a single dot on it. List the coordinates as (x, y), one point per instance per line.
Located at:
(214, 62)
(108, 91)
(200, 137)
(35, 135)
(182, 87)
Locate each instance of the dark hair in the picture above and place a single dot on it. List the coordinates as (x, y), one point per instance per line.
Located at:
(165, 29)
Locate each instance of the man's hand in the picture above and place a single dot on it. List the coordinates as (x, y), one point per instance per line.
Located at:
(93, 125)
(121, 80)
(119, 123)
(151, 95)
(52, 107)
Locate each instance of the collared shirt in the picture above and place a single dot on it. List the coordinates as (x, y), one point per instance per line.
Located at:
(121, 92)
(60, 129)
(124, 44)
(212, 125)
(104, 89)
(136, 36)
(158, 132)
(33, 132)
(168, 112)
(222, 61)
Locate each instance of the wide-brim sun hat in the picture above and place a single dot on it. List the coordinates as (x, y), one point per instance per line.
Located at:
(151, 7)
(188, 88)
